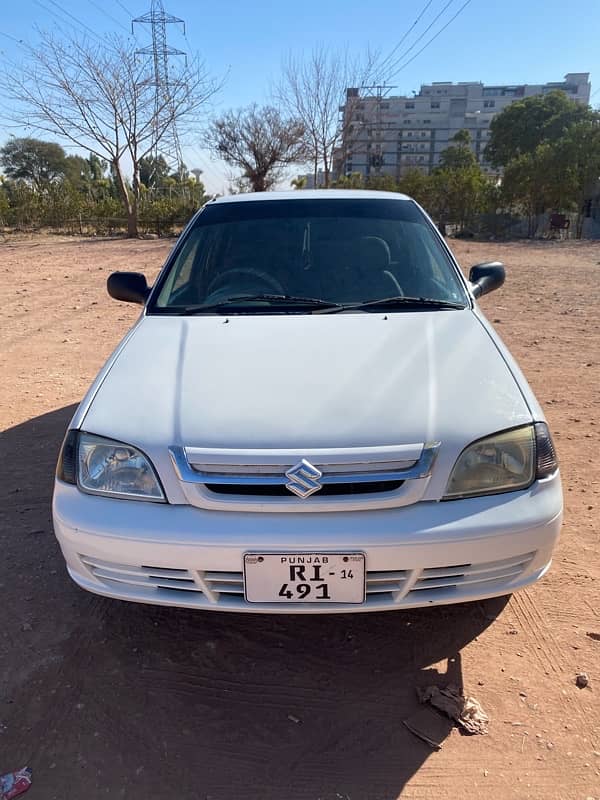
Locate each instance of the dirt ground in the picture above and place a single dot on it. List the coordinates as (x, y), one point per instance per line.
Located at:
(109, 699)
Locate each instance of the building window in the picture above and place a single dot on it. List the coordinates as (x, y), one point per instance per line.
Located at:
(426, 121)
(435, 103)
(409, 134)
(489, 103)
(409, 105)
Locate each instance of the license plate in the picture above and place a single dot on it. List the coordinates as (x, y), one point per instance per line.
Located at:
(304, 577)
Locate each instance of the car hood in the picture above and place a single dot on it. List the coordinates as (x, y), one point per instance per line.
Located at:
(307, 381)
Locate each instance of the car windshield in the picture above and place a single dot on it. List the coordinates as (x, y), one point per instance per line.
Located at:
(302, 255)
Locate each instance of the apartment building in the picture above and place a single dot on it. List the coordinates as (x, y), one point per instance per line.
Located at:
(386, 135)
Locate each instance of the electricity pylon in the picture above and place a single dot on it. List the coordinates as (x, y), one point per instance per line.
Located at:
(164, 106)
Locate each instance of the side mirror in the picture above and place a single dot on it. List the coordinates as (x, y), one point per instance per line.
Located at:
(130, 287)
(486, 277)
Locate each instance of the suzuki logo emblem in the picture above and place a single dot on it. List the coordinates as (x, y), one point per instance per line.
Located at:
(304, 479)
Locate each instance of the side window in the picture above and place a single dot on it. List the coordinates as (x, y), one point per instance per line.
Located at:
(422, 269)
(192, 263)
(185, 267)
(436, 265)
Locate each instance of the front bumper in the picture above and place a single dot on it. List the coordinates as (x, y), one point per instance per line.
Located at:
(428, 553)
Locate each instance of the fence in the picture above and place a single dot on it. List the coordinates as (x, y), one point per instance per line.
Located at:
(495, 226)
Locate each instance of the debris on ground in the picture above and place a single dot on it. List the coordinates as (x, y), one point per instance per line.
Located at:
(428, 723)
(429, 726)
(582, 680)
(465, 711)
(295, 719)
(14, 783)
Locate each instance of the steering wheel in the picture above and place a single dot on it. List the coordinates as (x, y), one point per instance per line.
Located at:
(223, 279)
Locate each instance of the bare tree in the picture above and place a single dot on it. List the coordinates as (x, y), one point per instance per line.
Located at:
(313, 89)
(260, 142)
(102, 98)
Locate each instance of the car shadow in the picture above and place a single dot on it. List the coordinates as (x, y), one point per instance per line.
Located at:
(106, 698)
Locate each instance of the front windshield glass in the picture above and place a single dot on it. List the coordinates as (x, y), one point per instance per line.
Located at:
(260, 256)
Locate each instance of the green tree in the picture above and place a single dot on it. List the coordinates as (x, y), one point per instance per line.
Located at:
(457, 185)
(416, 184)
(578, 153)
(459, 154)
(527, 123)
(528, 187)
(153, 170)
(33, 160)
(456, 194)
(5, 209)
(551, 158)
(382, 183)
(80, 173)
(23, 203)
(299, 182)
(353, 181)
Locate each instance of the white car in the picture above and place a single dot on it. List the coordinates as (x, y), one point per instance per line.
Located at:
(310, 415)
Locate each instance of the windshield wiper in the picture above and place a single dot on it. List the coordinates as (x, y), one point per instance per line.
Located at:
(401, 301)
(284, 299)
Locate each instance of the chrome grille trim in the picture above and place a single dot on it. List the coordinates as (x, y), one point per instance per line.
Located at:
(318, 455)
(382, 582)
(354, 472)
(440, 580)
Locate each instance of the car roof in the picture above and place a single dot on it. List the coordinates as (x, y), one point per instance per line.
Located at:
(312, 194)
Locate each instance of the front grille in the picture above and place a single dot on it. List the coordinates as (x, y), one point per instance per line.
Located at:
(225, 583)
(384, 588)
(157, 577)
(387, 582)
(437, 583)
(365, 477)
(329, 490)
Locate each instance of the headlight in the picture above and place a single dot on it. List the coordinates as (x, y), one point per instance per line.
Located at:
(504, 462)
(105, 467)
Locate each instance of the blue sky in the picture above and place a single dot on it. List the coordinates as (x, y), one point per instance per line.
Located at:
(513, 41)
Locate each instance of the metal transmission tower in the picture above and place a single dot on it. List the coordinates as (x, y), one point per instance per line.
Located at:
(164, 106)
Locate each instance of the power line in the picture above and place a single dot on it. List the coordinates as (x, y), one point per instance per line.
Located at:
(64, 12)
(403, 55)
(205, 163)
(130, 18)
(13, 38)
(125, 9)
(109, 16)
(433, 38)
(399, 44)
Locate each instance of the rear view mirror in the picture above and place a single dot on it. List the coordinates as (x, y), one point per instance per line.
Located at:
(130, 287)
(486, 277)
